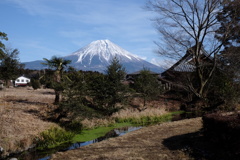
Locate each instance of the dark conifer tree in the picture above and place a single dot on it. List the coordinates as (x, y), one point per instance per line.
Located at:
(230, 19)
(147, 85)
(10, 65)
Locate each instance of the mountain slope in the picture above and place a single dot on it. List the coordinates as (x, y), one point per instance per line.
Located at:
(98, 55)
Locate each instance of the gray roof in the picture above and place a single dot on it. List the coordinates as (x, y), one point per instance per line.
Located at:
(186, 64)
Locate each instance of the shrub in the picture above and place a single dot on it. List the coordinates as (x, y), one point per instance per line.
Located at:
(73, 126)
(53, 137)
(223, 131)
(35, 84)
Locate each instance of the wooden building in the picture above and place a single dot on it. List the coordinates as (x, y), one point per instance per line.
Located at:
(177, 74)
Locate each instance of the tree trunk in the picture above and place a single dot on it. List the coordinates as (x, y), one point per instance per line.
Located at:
(144, 101)
(57, 97)
(7, 83)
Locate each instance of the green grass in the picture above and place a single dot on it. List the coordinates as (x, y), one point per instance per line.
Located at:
(87, 135)
(177, 112)
(55, 136)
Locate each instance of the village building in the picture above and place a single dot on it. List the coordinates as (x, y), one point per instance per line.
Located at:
(172, 77)
(22, 81)
(131, 77)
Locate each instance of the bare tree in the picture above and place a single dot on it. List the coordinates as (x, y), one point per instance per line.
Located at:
(187, 27)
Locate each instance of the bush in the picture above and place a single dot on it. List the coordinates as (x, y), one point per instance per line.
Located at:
(53, 137)
(73, 126)
(224, 92)
(223, 131)
(35, 84)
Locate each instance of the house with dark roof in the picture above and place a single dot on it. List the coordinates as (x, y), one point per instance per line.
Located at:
(185, 66)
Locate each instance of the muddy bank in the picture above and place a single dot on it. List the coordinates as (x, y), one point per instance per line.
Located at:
(154, 142)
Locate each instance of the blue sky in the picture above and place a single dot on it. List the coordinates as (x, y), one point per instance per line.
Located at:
(44, 28)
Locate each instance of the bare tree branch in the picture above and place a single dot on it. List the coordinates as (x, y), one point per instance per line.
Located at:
(185, 24)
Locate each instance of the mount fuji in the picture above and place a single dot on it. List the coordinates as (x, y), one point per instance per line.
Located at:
(98, 55)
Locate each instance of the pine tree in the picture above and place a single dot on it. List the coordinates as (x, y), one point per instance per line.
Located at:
(147, 85)
(229, 19)
(116, 89)
(3, 36)
(10, 65)
(108, 90)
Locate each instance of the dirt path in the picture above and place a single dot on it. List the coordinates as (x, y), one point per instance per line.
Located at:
(166, 141)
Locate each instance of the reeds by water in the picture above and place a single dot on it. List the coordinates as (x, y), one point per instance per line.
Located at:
(148, 116)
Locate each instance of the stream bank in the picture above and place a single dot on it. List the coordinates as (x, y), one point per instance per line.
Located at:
(92, 136)
(46, 154)
(148, 143)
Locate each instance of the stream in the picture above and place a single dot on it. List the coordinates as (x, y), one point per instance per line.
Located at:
(45, 155)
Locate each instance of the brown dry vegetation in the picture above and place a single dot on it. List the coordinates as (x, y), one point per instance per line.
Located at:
(163, 102)
(132, 113)
(136, 109)
(19, 121)
(23, 114)
(123, 114)
(164, 141)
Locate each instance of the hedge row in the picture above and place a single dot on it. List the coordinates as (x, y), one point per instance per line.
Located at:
(223, 131)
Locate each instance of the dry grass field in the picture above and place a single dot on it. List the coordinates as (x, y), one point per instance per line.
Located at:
(23, 113)
(19, 117)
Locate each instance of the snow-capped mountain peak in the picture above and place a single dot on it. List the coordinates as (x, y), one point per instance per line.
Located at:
(105, 49)
(98, 55)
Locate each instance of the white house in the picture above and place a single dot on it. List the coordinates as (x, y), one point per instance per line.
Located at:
(22, 81)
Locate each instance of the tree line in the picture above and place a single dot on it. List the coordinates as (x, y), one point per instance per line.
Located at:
(96, 94)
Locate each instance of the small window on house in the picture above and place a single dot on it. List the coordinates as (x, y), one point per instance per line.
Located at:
(18, 80)
(27, 81)
(22, 80)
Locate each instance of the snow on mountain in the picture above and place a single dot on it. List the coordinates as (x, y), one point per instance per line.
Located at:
(98, 55)
(105, 49)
